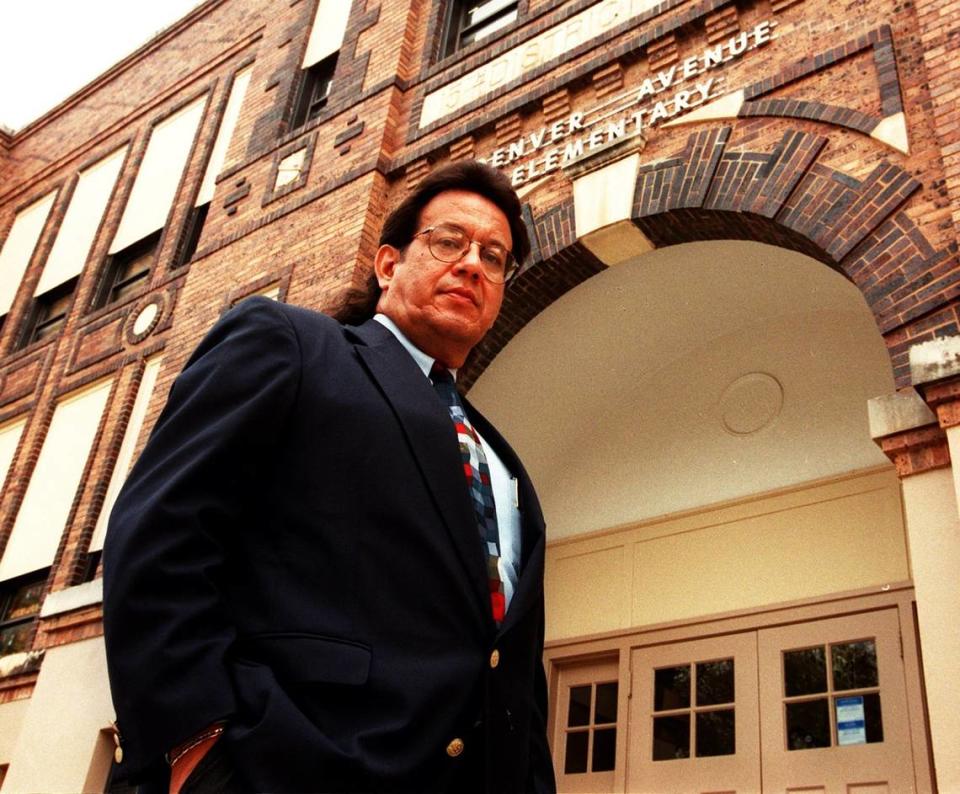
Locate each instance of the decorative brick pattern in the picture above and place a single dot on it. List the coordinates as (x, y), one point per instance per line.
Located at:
(880, 41)
(944, 398)
(508, 128)
(940, 39)
(608, 80)
(556, 106)
(722, 24)
(761, 184)
(917, 451)
(779, 6)
(82, 624)
(663, 52)
(462, 149)
(856, 227)
(416, 172)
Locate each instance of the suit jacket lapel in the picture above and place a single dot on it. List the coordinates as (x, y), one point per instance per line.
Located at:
(431, 436)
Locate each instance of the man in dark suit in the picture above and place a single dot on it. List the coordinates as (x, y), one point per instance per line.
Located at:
(325, 572)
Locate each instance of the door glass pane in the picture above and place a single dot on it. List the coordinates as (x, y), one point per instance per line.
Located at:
(576, 757)
(716, 733)
(579, 713)
(671, 688)
(604, 749)
(871, 705)
(671, 737)
(804, 672)
(605, 709)
(808, 725)
(715, 682)
(858, 719)
(854, 665)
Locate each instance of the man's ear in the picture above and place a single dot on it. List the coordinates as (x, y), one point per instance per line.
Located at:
(385, 263)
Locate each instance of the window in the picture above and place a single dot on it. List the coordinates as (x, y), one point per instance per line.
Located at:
(78, 230)
(19, 606)
(844, 674)
(58, 473)
(469, 21)
(693, 711)
(19, 246)
(591, 732)
(126, 271)
(191, 235)
(314, 90)
(121, 468)
(49, 314)
(154, 190)
(586, 722)
(320, 60)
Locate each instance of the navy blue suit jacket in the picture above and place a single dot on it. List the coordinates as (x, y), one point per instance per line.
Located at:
(295, 553)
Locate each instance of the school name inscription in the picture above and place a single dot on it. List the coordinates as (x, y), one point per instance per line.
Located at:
(629, 113)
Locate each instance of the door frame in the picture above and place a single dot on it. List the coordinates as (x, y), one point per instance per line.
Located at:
(619, 644)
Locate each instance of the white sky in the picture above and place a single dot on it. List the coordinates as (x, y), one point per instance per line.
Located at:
(50, 49)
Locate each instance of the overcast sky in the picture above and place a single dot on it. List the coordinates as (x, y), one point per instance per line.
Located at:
(51, 48)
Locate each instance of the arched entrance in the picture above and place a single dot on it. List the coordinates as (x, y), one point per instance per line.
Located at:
(729, 594)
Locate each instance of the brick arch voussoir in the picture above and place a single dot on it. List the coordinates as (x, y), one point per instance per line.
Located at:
(789, 197)
(785, 197)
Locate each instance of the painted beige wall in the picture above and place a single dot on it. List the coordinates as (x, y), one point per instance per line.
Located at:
(665, 359)
(934, 535)
(60, 739)
(11, 721)
(803, 542)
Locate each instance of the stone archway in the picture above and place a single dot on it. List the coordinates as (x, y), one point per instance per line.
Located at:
(786, 197)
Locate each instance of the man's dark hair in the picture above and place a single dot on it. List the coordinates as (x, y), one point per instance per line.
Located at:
(475, 177)
(402, 224)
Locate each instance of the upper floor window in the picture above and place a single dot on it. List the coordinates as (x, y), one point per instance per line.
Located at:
(315, 84)
(132, 252)
(19, 606)
(18, 248)
(320, 59)
(49, 313)
(469, 21)
(126, 271)
(47, 503)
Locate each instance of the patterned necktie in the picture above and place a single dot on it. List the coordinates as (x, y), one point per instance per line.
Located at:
(477, 474)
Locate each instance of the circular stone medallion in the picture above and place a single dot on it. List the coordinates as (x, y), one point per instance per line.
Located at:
(751, 403)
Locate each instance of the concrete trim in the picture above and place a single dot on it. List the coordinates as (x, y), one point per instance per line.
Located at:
(934, 360)
(87, 594)
(893, 132)
(898, 412)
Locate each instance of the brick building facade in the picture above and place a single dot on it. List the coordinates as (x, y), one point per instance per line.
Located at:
(743, 289)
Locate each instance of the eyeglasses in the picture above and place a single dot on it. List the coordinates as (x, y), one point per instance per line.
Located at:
(450, 244)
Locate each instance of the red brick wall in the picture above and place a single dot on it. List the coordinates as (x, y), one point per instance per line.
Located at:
(938, 25)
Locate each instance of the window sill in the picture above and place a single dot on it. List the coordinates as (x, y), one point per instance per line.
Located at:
(72, 598)
(20, 663)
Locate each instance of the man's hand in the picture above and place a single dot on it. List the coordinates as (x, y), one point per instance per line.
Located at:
(185, 757)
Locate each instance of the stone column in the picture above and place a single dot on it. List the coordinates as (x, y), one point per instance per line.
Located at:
(935, 373)
(908, 432)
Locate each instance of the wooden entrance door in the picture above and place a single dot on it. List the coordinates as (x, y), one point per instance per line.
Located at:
(833, 706)
(693, 717)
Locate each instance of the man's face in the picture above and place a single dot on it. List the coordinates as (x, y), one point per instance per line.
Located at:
(444, 308)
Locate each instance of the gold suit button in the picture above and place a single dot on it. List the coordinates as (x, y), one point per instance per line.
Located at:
(455, 748)
(117, 749)
(494, 658)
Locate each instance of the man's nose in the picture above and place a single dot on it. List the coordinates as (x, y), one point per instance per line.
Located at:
(470, 262)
